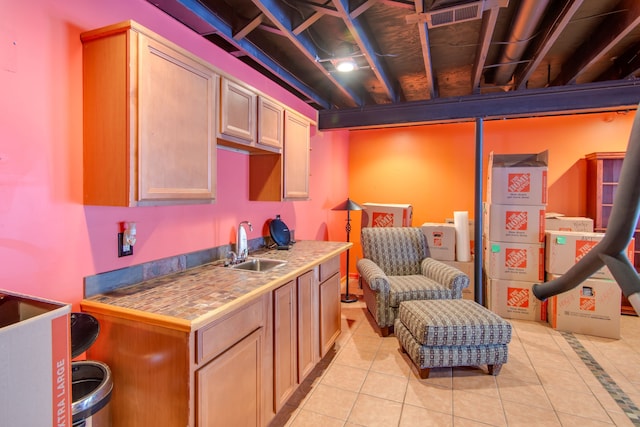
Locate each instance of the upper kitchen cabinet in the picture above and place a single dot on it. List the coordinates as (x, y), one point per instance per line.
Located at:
(237, 113)
(275, 177)
(249, 121)
(270, 124)
(296, 156)
(149, 120)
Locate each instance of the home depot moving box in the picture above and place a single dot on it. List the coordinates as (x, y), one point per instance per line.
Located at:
(515, 223)
(518, 179)
(566, 248)
(558, 222)
(515, 261)
(514, 299)
(386, 215)
(441, 240)
(592, 308)
(467, 267)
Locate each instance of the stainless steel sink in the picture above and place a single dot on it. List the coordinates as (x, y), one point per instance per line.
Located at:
(259, 264)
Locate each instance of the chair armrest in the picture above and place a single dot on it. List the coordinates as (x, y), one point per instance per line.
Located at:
(445, 274)
(373, 275)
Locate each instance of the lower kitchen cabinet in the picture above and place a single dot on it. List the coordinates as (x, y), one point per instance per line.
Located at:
(232, 380)
(330, 317)
(284, 344)
(237, 370)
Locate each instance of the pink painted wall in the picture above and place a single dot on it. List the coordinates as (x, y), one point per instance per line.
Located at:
(49, 241)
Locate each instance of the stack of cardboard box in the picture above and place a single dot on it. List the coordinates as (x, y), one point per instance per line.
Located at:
(593, 306)
(514, 218)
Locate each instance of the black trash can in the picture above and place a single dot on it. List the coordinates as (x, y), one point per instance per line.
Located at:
(91, 382)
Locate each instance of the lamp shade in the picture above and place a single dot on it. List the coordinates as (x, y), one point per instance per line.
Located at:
(347, 205)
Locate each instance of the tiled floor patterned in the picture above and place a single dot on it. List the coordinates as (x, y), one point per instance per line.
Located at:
(552, 378)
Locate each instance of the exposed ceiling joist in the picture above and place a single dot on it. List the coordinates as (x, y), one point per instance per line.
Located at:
(615, 27)
(368, 48)
(542, 45)
(489, 19)
(280, 18)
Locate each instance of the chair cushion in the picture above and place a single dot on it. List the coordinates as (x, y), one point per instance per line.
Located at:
(453, 323)
(416, 287)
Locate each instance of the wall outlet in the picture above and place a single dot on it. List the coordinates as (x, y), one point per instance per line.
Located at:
(123, 248)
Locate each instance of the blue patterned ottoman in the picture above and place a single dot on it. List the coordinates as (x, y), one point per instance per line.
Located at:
(455, 332)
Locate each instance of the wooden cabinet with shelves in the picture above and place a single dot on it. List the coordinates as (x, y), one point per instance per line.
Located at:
(148, 119)
(275, 177)
(603, 174)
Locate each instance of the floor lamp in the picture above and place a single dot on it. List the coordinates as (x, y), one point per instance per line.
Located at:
(348, 205)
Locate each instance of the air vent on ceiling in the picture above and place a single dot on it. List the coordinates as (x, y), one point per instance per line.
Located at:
(455, 14)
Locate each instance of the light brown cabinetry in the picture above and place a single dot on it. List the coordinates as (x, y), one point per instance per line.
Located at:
(285, 342)
(275, 177)
(237, 113)
(270, 123)
(294, 324)
(329, 292)
(238, 369)
(148, 119)
(296, 156)
(603, 174)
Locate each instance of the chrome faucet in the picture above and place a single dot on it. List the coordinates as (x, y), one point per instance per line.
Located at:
(242, 248)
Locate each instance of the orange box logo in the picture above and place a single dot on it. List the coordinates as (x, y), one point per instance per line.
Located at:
(437, 239)
(516, 220)
(583, 247)
(515, 258)
(382, 219)
(587, 299)
(519, 183)
(518, 297)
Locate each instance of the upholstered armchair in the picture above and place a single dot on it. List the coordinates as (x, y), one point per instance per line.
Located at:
(395, 267)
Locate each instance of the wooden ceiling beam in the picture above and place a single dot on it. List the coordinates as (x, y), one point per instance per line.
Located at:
(489, 19)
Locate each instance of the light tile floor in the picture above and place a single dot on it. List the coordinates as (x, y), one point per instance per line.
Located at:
(551, 379)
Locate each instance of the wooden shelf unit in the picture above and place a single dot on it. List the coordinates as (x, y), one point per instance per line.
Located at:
(603, 174)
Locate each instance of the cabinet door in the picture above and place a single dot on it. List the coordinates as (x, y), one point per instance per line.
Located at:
(270, 123)
(229, 388)
(306, 325)
(177, 151)
(329, 313)
(284, 343)
(237, 113)
(296, 157)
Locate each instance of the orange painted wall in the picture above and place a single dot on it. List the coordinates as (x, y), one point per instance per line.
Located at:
(432, 166)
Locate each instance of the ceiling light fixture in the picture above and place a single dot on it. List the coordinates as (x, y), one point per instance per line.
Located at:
(346, 65)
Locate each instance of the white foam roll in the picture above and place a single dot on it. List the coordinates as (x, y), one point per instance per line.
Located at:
(461, 223)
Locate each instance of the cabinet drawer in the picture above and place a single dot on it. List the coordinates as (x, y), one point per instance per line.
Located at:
(213, 339)
(329, 268)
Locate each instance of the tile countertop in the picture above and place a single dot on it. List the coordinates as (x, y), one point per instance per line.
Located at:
(192, 298)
